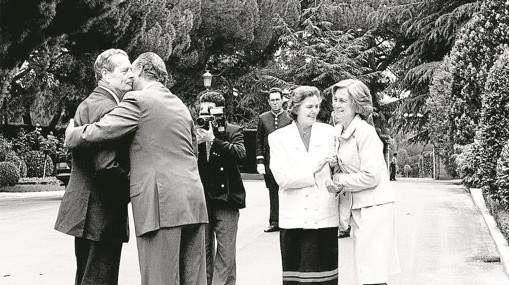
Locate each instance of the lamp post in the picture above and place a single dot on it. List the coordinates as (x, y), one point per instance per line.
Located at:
(207, 79)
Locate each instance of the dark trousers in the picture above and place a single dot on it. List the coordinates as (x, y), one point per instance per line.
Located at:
(392, 169)
(97, 262)
(271, 184)
(222, 230)
(173, 256)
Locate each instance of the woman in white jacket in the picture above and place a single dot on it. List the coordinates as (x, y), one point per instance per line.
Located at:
(364, 182)
(308, 213)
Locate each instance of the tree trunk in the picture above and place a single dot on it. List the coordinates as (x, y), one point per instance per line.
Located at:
(56, 118)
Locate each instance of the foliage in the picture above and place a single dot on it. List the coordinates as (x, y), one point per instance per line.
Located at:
(5, 147)
(35, 161)
(25, 142)
(20, 164)
(467, 161)
(407, 170)
(25, 26)
(438, 110)
(478, 44)
(493, 122)
(502, 176)
(423, 32)
(9, 175)
(318, 53)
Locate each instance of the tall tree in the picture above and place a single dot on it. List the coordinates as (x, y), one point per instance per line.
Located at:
(425, 33)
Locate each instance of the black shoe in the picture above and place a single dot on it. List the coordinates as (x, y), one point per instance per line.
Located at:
(272, 228)
(344, 234)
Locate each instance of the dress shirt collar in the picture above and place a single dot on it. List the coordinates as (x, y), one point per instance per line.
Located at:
(111, 93)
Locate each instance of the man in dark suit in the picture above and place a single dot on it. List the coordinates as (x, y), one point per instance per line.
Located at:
(220, 149)
(267, 123)
(94, 206)
(166, 193)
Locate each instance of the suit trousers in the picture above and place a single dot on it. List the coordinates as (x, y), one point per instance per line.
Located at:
(222, 228)
(271, 184)
(173, 256)
(97, 262)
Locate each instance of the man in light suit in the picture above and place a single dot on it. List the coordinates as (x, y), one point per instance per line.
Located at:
(165, 188)
(94, 206)
(268, 122)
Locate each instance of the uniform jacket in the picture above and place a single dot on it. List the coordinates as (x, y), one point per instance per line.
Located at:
(304, 201)
(94, 205)
(165, 186)
(361, 159)
(220, 174)
(267, 123)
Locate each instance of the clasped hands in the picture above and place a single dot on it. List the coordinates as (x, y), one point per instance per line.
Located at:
(334, 188)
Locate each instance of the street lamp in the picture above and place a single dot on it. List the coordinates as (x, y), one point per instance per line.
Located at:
(207, 79)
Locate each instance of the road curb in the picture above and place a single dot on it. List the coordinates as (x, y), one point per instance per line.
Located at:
(29, 196)
(496, 234)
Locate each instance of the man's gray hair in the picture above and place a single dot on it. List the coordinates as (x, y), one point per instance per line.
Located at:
(103, 61)
(152, 67)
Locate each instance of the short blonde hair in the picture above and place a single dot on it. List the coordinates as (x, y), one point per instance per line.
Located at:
(359, 92)
(298, 95)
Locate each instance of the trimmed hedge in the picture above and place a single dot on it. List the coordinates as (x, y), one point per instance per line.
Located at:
(35, 164)
(9, 174)
(493, 128)
(502, 181)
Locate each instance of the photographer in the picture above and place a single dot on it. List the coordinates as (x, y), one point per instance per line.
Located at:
(220, 148)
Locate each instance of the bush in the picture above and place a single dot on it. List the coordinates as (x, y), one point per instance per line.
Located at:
(21, 165)
(9, 175)
(407, 169)
(502, 180)
(467, 164)
(35, 164)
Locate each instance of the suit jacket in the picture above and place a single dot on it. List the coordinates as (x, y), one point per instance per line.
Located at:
(267, 123)
(165, 186)
(94, 205)
(361, 159)
(220, 174)
(304, 201)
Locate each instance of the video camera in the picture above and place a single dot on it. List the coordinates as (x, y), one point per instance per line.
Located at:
(215, 116)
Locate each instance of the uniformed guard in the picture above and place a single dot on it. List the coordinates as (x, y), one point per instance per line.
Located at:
(268, 122)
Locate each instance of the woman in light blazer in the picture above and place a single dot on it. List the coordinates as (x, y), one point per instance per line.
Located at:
(308, 213)
(367, 203)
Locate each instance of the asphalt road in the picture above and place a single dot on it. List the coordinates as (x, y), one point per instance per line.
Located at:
(442, 240)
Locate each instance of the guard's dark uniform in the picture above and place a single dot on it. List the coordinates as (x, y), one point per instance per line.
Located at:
(267, 123)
